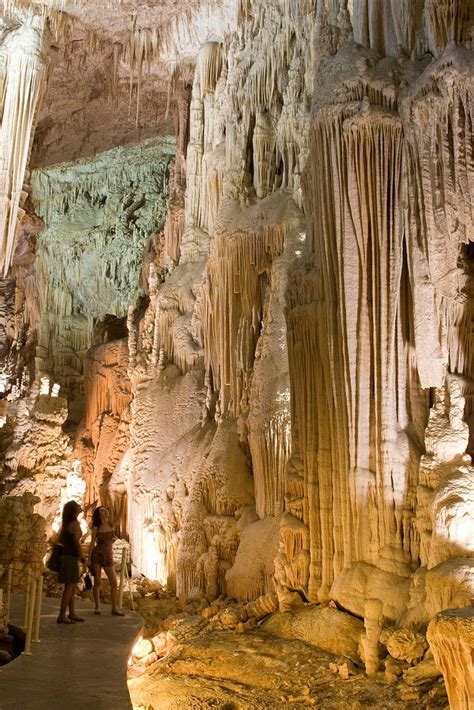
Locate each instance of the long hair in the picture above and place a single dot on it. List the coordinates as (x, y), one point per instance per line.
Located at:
(96, 521)
(69, 515)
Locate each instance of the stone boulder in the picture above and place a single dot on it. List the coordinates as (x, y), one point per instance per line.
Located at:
(363, 581)
(404, 644)
(324, 627)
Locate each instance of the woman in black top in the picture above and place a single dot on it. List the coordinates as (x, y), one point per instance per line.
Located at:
(70, 538)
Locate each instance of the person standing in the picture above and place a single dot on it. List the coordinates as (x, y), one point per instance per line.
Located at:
(70, 538)
(101, 557)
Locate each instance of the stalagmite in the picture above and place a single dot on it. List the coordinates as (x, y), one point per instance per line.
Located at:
(370, 643)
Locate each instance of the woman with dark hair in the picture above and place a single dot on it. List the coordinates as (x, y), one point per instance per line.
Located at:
(100, 556)
(70, 538)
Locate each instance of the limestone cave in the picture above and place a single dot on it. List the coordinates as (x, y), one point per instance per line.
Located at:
(236, 311)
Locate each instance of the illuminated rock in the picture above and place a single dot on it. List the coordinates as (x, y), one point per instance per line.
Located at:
(451, 639)
(262, 329)
(326, 628)
(404, 644)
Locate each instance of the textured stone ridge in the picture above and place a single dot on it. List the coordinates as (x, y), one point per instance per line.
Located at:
(451, 638)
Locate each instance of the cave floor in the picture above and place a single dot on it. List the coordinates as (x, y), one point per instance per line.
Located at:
(256, 671)
(74, 666)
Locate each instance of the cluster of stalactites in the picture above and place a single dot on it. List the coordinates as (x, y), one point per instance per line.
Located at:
(24, 63)
(247, 9)
(175, 41)
(412, 26)
(209, 66)
(34, 6)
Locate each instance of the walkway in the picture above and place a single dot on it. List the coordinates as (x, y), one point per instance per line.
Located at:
(74, 666)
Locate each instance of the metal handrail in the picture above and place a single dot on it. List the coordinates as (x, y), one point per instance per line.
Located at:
(34, 596)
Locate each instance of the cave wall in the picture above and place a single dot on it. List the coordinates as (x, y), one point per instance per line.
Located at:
(335, 219)
(99, 214)
(327, 328)
(284, 406)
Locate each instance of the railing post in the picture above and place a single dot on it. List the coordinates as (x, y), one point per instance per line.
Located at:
(31, 611)
(130, 588)
(27, 602)
(123, 566)
(38, 603)
(9, 592)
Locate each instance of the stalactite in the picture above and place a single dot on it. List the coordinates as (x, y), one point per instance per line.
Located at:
(230, 343)
(389, 27)
(58, 5)
(175, 220)
(448, 21)
(25, 71)
(209, 66)
(444, 182)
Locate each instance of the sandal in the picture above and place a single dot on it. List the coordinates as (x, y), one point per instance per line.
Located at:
(76, 619)
(116, 612)
(63, 621)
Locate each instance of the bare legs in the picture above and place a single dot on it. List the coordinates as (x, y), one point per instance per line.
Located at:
(112, 577)
(96, 591)
(72, 610)
(68, 601)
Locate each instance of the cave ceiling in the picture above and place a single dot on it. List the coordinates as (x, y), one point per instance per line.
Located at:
(111, 69)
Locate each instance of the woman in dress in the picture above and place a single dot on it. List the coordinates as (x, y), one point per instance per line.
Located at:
(70, 538)
(100, 556)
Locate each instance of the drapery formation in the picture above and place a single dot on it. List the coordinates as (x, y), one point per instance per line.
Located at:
(380, 313)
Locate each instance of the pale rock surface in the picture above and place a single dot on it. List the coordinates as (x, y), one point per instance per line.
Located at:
(22, 539)
(252, 572)
(449, 584)
(369, 646)
(265, 347)
(451, 639)
(404, 644)
(364, 581)
(422, 672)
(324, 627)
(37, 459)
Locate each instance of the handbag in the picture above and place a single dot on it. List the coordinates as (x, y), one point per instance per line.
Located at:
(54, 560)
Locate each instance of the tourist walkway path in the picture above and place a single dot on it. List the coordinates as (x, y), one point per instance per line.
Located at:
(75, 666)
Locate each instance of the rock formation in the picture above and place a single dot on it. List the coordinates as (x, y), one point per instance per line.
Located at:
(451, 637)
(263, 348)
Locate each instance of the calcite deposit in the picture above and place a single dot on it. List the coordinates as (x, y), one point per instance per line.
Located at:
(250, 335)
(451, 637)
